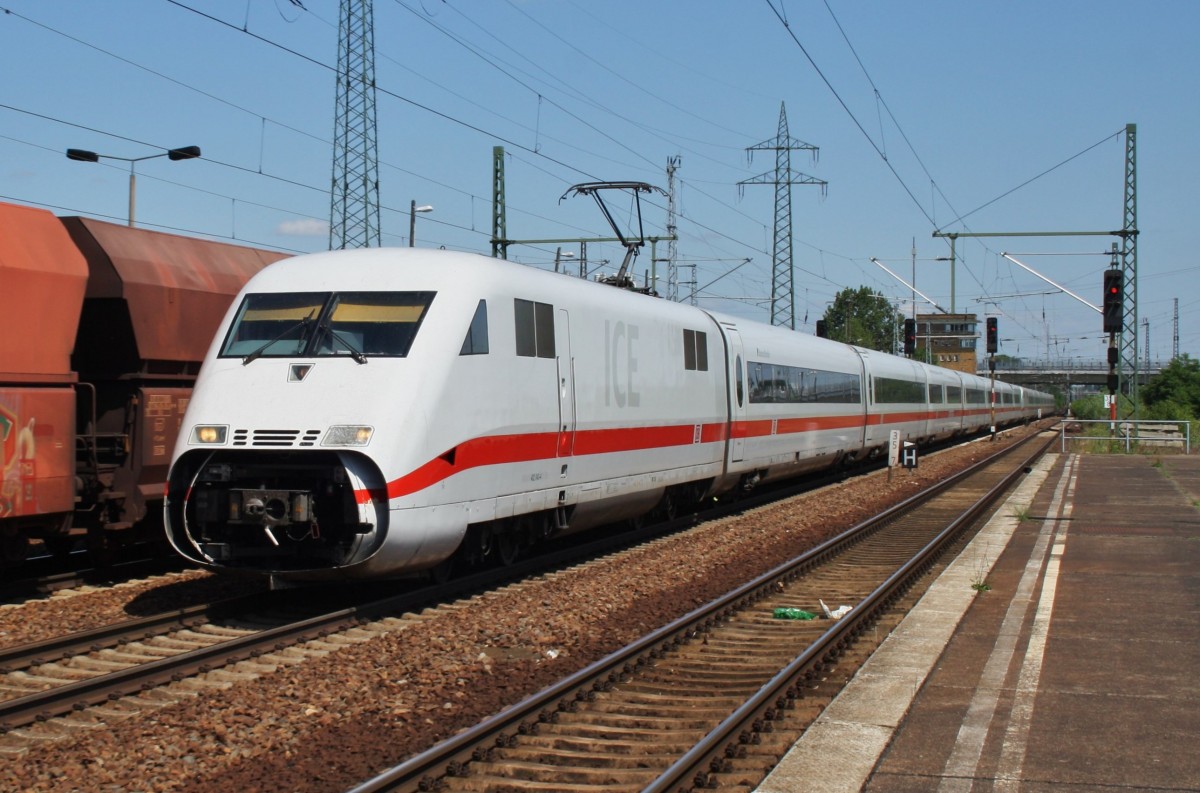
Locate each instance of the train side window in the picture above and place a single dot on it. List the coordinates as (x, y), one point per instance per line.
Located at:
(476, 342)
(535, 328)
(892, 390)
(695, 350)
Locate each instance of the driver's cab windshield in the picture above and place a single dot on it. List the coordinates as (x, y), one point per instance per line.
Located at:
(321, 324)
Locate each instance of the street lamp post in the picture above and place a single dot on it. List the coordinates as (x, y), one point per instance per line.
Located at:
(559, 256)
(182, 153)
(413, 209)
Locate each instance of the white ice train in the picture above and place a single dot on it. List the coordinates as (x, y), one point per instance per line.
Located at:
(370, 413)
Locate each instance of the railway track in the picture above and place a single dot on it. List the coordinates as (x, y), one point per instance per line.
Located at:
(713, 699)
(45, 575)
(158, 660)
(50, 679)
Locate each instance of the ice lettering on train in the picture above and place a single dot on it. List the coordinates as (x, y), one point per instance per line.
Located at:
(620, 364)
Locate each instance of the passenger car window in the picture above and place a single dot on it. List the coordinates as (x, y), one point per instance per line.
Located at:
(476, 342)
(535, 328)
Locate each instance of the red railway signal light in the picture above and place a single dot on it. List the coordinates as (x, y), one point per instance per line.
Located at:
(993, 336)
(910, 337)
(1114, 300)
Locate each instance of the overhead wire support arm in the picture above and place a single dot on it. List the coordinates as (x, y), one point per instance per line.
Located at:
(955, 234)
(1047, 280)
(924, 297)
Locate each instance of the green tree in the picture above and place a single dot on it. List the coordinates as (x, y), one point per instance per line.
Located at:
(1175, 391)
(864, 317)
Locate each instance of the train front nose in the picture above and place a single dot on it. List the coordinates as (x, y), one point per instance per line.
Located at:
(276, 512)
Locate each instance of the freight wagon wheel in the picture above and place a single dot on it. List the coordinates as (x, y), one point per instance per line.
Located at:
(102, 548)
(58, 539)
(60, 547)
(14, 547)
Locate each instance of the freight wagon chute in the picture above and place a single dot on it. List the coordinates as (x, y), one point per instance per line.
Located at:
(102, 331)
(152, 306)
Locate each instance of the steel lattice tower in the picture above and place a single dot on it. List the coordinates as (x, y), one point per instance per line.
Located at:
(354, 205)
(783, 291)
(1129, 235)
(1175, 343)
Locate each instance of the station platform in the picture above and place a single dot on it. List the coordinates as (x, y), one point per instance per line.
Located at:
(1077, 669)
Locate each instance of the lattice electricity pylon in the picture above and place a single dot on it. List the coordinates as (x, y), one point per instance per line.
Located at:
(783, 290)
(354, 204)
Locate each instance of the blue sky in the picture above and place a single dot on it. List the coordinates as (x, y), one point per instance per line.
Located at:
(1008, 115)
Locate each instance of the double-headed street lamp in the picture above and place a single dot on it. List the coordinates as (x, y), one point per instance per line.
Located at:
(413, 209)
(184, 153)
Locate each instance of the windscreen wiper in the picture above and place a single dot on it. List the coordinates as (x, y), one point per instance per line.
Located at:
(354, 353)
(259, 352)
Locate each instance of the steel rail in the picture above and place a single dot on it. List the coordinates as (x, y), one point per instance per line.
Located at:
(57, 701)
(691, 770)
(56, 648)
(421, 771)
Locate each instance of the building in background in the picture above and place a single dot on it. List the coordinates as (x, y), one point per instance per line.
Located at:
(950, 340)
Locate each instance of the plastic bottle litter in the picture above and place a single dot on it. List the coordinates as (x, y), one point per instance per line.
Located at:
(837, 613)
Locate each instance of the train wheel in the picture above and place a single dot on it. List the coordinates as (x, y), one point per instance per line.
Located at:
(669, 506)
(102, 548)
(14, 547)
(479, 545)
(444, 570)
(60, 547)
(508, 548)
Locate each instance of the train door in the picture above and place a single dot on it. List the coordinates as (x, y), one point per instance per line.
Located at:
(566, 385)
(864, 436)
(738, 396)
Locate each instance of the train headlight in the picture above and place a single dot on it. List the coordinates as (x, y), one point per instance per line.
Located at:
(348, 435)
(209, 434)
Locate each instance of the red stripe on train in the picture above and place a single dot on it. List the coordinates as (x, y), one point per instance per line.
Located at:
(502, 449)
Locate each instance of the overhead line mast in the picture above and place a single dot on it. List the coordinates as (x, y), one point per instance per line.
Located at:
(672, 232)
(354, 200)
(1128, 340)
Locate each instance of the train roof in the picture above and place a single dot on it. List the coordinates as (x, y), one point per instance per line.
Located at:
(423, 269)
(174, 289)
(44, 277)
